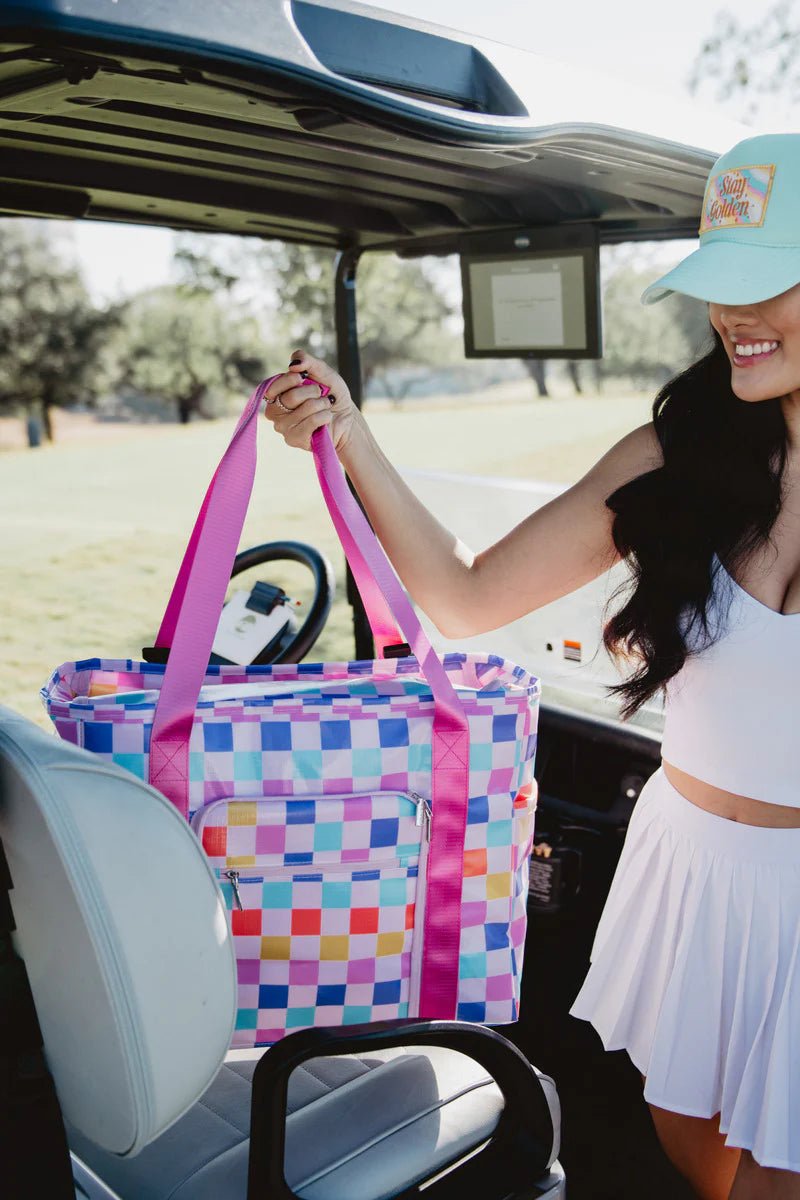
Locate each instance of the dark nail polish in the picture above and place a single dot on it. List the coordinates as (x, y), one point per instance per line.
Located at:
(295, 362)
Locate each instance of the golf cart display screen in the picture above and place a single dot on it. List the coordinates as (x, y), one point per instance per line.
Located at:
(539, 304)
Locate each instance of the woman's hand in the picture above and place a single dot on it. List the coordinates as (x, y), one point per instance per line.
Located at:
(296, 407)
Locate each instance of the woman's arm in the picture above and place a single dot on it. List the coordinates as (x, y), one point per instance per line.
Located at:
(555, 550)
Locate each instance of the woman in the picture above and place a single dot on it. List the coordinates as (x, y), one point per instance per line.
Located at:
(696, 964)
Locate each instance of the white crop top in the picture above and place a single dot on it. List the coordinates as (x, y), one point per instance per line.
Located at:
(733, 710)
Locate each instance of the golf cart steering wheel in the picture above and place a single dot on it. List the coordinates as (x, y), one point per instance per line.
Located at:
(296, 647)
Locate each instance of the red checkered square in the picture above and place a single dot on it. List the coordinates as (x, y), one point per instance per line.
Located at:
(215, 841)
(248, 922)
(306, 921)
(364, 920)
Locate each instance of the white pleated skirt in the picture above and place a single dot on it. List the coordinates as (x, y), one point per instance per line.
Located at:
(696, 970)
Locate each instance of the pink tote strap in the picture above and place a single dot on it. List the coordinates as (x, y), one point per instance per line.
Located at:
(193, 610)
(384, 630)
(195, 605)
(166, 632)
(450, 748)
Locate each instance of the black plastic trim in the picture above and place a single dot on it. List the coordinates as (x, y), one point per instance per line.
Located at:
(587, 727)
(517, 1153)
(422, 64)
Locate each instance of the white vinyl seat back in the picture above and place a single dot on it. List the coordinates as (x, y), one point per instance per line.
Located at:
(123, 933)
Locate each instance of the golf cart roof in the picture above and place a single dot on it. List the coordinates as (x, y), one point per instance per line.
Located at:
(331, 124)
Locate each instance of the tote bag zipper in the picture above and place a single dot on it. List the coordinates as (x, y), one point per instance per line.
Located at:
(285, 870)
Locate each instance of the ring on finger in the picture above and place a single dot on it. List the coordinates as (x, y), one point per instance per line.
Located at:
(280, 405)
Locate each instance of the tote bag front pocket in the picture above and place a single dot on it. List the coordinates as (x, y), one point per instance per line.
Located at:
(325, 896)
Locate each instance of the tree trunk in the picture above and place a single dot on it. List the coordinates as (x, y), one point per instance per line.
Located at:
(190, 402)
(47, 419)
(33, 428)
(574, 374)
(537, 369)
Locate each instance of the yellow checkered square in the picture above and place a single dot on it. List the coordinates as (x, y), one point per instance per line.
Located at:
(334, 947)
(278, 948)
(498, 886)
(242, 812)
(390, 943)
(102, 689)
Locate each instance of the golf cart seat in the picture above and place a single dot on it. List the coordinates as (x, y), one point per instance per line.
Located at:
(122, 930)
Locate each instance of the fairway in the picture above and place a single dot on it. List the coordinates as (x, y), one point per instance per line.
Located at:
(93, 527)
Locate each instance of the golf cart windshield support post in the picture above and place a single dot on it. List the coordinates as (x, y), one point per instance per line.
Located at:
(349, 364)
(344, 299)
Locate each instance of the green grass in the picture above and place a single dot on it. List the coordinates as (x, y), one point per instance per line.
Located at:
(93, 528)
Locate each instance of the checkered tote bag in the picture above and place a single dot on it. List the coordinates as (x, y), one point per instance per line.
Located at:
(370, 822)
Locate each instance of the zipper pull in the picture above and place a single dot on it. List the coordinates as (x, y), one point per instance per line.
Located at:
(233, 876)
(423, 813)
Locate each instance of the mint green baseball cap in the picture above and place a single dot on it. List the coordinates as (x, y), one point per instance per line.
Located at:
(749, 228)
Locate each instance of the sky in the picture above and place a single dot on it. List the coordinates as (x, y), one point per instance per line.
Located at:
(652, 45)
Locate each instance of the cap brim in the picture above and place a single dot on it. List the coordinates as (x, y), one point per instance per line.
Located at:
(730, 273)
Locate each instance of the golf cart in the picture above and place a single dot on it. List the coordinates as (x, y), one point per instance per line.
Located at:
(338, 126)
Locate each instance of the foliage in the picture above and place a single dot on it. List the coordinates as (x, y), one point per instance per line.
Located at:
(402, 306)
(648, 343)
(403, 314)
(741, 66)
(187, 345)
(51, 335)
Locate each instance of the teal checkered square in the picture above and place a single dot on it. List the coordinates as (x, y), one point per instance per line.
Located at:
(366, 762)
(357, 1014)
(328, 836)
(297, 1018)
(247, 1018)
(197, 768)
(247, 765)
(392, 892)
(500, 833)
(472, 966)
(307, 764)
(276, 893)
(336, 893)
(131, 762)
(480, 756)
(420, 758)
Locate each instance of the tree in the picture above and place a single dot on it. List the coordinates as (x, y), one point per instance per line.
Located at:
(403, 306)
(187, 345)
(402, 314)
(51, 335)
(649, 343)
(742, 67)
(537, 369)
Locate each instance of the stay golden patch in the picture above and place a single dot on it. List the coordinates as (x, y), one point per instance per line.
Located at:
(738, 196)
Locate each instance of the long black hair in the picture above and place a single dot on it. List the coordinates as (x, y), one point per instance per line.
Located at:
(718, 492)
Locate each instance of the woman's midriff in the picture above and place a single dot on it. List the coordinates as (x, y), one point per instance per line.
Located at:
(729, 805)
